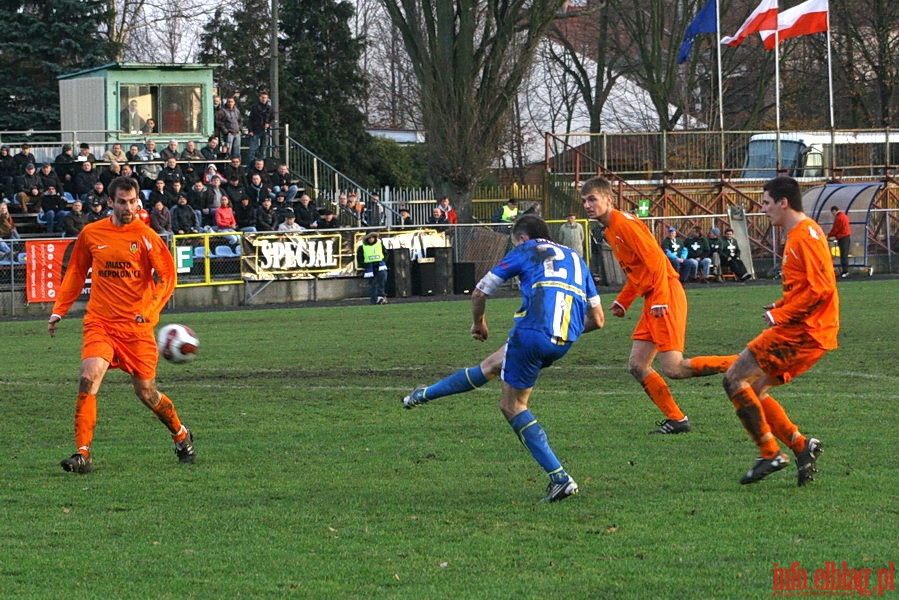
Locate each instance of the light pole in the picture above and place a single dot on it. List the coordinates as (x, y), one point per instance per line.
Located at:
(273, 76)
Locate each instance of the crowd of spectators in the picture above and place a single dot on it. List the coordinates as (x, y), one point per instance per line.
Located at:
(704, 259)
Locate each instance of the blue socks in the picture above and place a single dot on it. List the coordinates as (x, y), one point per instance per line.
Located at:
(534, 438)
(463, 380)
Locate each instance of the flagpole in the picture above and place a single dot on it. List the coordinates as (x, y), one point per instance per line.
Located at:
(720, 85)
(829, 70)
(777, 94)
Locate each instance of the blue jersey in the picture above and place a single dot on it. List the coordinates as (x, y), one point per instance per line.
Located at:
(556, 288)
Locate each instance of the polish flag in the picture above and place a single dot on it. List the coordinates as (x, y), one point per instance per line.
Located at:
(803, 19)
(763, 18)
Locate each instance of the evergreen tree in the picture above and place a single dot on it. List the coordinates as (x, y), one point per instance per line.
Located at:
(41, 40)
(240, 42)
(321, 83)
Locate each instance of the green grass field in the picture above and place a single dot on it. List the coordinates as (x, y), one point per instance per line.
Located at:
(311, 482)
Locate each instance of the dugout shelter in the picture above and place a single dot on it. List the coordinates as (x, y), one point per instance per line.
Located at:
(854, 199)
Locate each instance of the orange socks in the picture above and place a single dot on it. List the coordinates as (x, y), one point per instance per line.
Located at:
(781, 425)
(166, 413)
(749, 409)
(658, 391)
(709, 365)
(85, 421)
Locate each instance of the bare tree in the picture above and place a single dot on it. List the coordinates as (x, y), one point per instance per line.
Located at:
(469, 58)
(157, 30)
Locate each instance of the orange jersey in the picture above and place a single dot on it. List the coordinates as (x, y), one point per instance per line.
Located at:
(810, 303)
(649, 272)
(123, 262)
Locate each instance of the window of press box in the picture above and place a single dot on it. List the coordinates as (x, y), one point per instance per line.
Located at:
(164, 109)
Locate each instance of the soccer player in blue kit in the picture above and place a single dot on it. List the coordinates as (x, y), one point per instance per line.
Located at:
(559, 301)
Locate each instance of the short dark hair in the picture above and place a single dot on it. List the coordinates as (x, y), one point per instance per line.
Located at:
(532, 226)
(834, 208)
(123, 183)
(599, 184)
(784, 187)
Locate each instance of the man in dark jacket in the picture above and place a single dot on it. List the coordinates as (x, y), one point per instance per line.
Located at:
(260, 121)
(266, 217)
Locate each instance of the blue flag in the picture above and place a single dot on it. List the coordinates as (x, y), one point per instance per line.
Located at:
(705, 21)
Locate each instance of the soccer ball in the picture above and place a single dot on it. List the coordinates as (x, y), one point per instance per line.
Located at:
(177, 343)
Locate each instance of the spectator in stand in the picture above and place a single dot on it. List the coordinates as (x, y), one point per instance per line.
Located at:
(49, 177)
(55, 209)
(184, 217)
(405, 217)
(171, 173)
(170, 151)
(84, 181)
(188, 158)
(173, 193)
(840, 232)
(75, 220)
(85, 154)
(23, 158)
(110, 172)
(210, 172)
(234, 190)
(259, 167)
(257, 190)
(438, 217)
(28, 190)
(99, 210)
(266, 218)
(281, 207)
(158, 193)
(200, 198)
(448, 210)
(715, 245)
(260, 121)
(327, 220)
(234, 169)
(698, 250)
(216, 193)
(346, 212)
(8, 173)
(232, 124)
(150, 127)
(161, 219)
(571, 234)
(98, 193)
(65, 167)
(244, 213)
(306, 212)
(8, 229)
(290, 221)
(677, 255)
(131, 121)
(282, 182)
(535, 209)
(133, 155)
(150, 170)
(115, 153)
(211, 150)
(506, 214)
(173, 119)
(225, 220)
(730, 256)
(129, 171)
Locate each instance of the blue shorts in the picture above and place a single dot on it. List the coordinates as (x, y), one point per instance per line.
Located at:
(527, 352)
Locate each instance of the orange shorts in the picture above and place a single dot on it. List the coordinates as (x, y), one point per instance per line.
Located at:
(668, 332)
(134, 352)
(785, 356)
